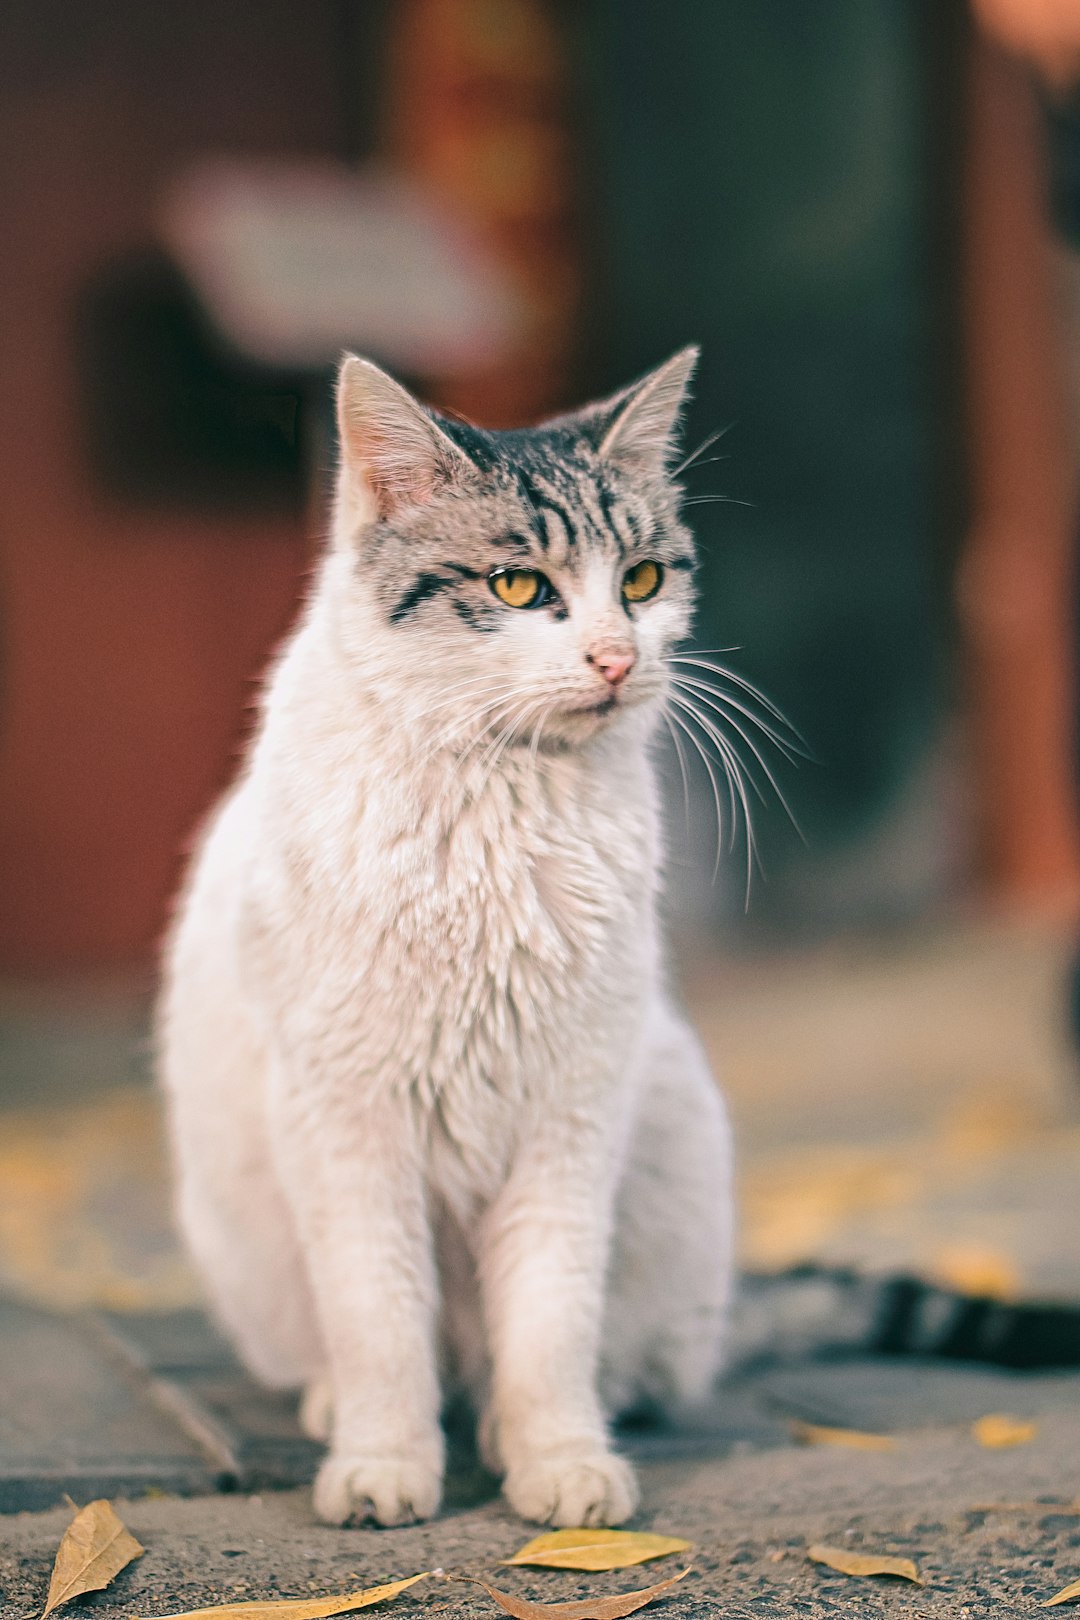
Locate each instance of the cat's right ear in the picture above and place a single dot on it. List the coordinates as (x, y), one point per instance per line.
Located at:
(393, 454)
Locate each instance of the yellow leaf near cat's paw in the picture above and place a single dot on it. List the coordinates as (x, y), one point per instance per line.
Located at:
(997, 1430)
(1068, 1594)
(613, 1607)
(856, 1563)
(817, 1434)
(595, 1549)
(972, 1268)
(94, 1548)
(300, 1608)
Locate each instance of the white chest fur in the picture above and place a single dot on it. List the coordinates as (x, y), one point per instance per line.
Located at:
(481, 955)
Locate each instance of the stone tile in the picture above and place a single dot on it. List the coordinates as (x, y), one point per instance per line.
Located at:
(253, 1433)
(76, 1417)
(882, 1393)
(166, 1342)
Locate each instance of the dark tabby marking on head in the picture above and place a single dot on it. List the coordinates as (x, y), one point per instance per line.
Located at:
(543, 502)
(585, 490)
(422, 587)
(608, 507)
(478, 445)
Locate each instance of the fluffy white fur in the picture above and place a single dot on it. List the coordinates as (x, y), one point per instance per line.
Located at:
(434, 1114)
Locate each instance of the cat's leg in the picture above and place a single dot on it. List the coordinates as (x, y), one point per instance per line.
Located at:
(463, 1362)
(671, 1275)
(353, 1173)
(543, 1249)
(241, 1235)
(230, 1206)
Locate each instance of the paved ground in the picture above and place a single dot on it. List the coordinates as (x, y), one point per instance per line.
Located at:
(750, 1510)
(907, 1104)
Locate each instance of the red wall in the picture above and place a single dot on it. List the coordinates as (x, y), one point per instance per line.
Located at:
(129, 639)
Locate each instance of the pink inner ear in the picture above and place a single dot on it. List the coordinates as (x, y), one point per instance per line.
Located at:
(389, 446)
(397, 462)
(396, 472)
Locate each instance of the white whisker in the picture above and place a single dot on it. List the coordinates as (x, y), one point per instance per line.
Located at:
(713, 500)
(737, 776)
(716, 694)
(479, 716)
(706, 444)
(747, 686)
(505, 738)
(748, 740)
(682, 767)
(534, 746)
(707, 762)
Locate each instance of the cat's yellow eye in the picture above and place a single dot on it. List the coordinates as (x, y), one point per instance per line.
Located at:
(520, 587)
(642, 581)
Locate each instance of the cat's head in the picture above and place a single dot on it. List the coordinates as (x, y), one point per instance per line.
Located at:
(533, 579)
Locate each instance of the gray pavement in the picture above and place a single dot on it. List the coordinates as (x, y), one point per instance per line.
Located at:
(750, 1510)
(908, 1108)
(153, 1412)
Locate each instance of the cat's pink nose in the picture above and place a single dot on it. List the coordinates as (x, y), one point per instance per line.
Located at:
(613, 666)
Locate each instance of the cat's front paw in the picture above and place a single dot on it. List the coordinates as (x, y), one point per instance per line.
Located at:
(573, 1487)
(384, 1490)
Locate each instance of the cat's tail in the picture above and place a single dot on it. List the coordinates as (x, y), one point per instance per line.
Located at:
(818, 1311)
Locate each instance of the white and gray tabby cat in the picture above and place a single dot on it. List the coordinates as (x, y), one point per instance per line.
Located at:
(435, 1117)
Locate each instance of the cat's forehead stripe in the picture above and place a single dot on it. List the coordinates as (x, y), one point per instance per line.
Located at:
(546, 503)
(621, 519)
(594, 513)
(589, 499)
(558, 537)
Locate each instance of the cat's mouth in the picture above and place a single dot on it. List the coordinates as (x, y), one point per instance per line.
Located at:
(582, 719)
(598, 707)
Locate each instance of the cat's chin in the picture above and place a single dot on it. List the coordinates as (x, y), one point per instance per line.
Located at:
(571, 727)
(602, 709)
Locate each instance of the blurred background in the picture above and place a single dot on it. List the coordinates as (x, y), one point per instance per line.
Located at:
(864, 212)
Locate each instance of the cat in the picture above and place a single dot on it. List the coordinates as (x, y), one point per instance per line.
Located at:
(435, 1117)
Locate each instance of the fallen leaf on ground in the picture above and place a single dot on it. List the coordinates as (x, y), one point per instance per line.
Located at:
(613, 1607)
(300, 1608)
(1066, 1595)
(817, 1434)
(94, 1547)
(997, 1430)
(975, 1270)
(856, 1563)
(595, 1549)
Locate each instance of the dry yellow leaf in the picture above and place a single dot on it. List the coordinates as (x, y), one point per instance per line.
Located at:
(817, 1434)
(300, 1608)
(972, 1268)
(1068, 1594)
(613, 1607)
(94, 1547)
(856, 1563)
(596, 1549)
(997, 1430)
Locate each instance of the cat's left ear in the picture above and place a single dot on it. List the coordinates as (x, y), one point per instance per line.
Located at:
(639, 427)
